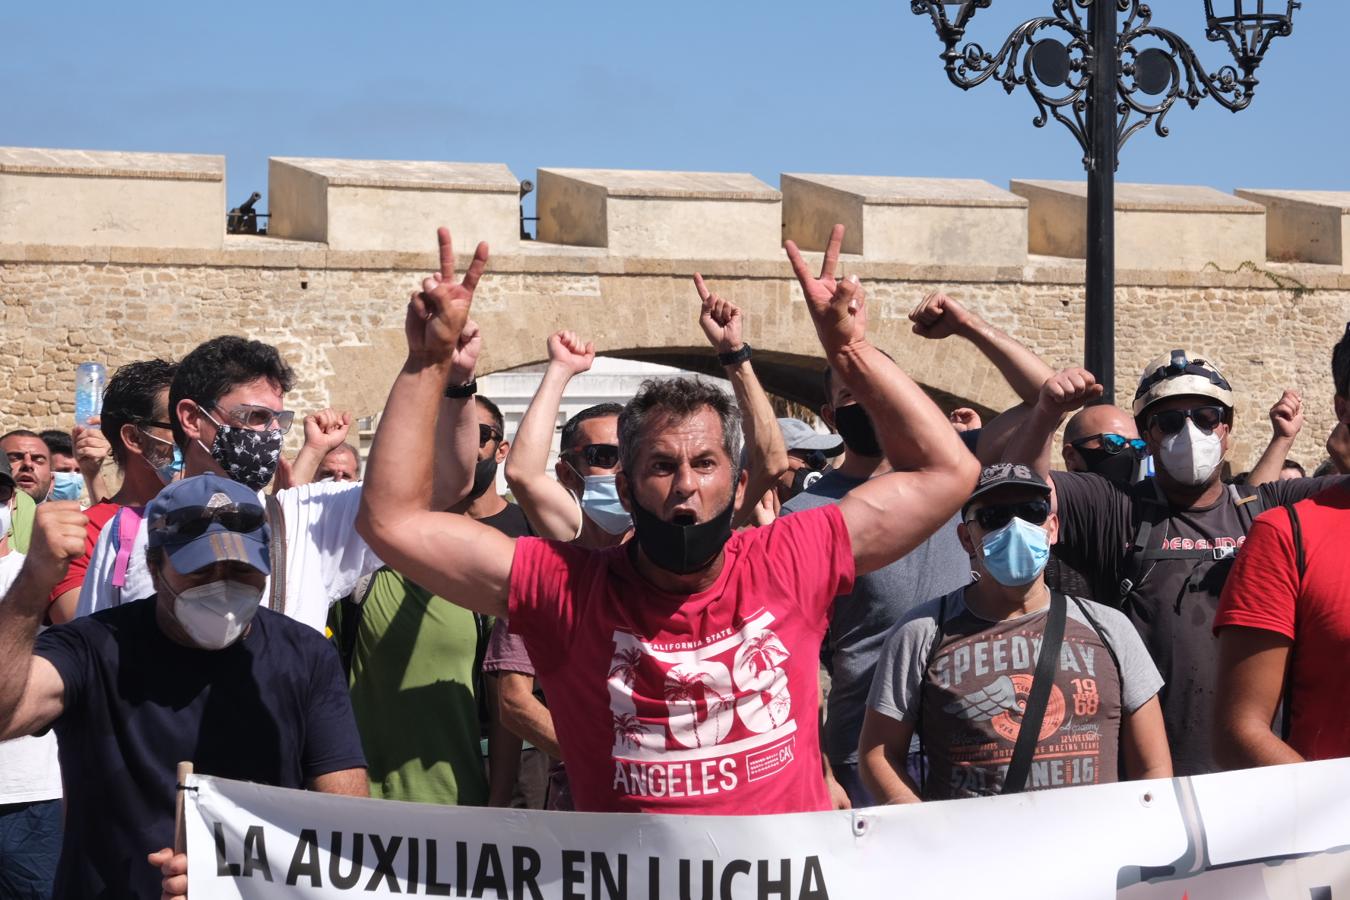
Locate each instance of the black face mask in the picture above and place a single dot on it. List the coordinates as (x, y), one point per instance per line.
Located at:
(855, 427)
(1117, 468)
(484, 476)
(681, 548)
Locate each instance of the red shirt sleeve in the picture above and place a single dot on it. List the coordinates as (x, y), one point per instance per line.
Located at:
(99, 514)
(542, 600)
(812, 550)
(1263, 587)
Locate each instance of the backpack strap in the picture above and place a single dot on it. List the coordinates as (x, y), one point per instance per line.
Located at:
(939, 631)
(128, 527)
(1301, 564)
(276, 550)
(1249, 502)
(1029, 733)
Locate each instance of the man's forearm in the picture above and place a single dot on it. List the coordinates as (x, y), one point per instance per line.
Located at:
(527, 717)
(503, 751)
(21, 614)
(1245, 745)
(914, 433)
(457, 451)
(884, 776)
(1271, 463)
(767, 453)
(1033, 442)
(1024, 371)
(548, 505)
(400, 464)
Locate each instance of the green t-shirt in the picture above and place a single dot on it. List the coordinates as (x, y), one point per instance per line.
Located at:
(21, 527)
(412, 688)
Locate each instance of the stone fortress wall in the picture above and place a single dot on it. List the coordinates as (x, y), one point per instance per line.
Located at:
(121, 256)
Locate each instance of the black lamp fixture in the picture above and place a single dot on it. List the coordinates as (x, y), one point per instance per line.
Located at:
(1103, 70)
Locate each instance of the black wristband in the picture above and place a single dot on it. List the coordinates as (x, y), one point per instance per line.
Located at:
(736, 358)
(461, 391)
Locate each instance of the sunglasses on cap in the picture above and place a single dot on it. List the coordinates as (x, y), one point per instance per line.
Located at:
(488, 433)
(815, 460)
(601, 456)
(994, 517)
(1113, 444)
(1206, 418)
(192, 521)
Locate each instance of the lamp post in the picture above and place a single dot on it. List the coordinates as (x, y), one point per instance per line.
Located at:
(1105, 72)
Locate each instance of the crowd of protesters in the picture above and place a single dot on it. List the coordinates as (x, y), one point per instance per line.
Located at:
(701, 609)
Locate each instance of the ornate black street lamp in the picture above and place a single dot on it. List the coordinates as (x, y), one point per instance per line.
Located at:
(1102, 69)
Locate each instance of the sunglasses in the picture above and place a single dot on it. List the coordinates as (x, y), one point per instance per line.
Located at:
(1206, 418)
(192, 521)
(488, 433)
(992, 518)
(1113, 444)
(259, 418)
(600, 456)
(815, 460)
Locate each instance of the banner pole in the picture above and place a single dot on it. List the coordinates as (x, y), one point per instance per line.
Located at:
(179, 832)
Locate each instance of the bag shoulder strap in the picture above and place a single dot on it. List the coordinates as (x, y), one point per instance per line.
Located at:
(1029, 734)
(276, 550)
(1247, 498)
(1301, 564)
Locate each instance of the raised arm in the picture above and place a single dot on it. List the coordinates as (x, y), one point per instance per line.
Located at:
(324, 430)
(721, 323)
(1061, 394)
(933, 473)
(457, 427)
(939, 316)
(448, 554)
(31, 691)
(1286, 420)
(549, 506)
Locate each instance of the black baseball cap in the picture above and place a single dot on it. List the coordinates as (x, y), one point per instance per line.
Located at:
(1001, 475)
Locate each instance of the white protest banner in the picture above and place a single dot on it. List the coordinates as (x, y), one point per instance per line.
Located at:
(1268, 833)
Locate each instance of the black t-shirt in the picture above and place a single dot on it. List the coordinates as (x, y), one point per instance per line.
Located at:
(271, 708)
(510, 522)
(1175, 600)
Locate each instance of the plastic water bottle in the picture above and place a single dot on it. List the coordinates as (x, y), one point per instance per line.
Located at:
(90, 379)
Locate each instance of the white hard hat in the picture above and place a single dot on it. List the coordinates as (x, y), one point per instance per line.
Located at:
(1179, 374)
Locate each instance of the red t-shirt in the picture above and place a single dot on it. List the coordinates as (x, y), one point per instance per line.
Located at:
(98, 514)
(1263, 591)
(687, 703)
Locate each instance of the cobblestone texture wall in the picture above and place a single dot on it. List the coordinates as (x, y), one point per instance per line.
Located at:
(339, 321)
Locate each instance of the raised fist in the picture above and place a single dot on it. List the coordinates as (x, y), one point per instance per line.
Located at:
(939, 316)
(567, 351)
(1068, 390)
(1286, 416)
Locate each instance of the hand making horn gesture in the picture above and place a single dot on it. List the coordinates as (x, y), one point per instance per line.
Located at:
(437, 315)
(838, 308)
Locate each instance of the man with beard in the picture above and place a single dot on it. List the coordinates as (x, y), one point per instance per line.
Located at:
(1161, 549)
(681, 666)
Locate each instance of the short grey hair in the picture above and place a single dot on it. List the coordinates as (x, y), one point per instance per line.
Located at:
(678, 399)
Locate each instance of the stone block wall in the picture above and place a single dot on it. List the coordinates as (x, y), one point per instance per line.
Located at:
(336, 315)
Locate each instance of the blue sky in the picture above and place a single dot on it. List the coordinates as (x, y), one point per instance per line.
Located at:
(731, 86)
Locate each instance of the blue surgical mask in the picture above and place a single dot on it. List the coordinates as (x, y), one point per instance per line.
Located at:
(600, 502)
(1016, 553)
(168, 470)
(66, 486)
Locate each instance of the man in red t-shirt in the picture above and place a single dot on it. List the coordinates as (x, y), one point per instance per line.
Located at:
(681, 666)
(1270, 613)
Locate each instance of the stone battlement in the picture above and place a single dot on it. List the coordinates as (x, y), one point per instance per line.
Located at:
(173, 202)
